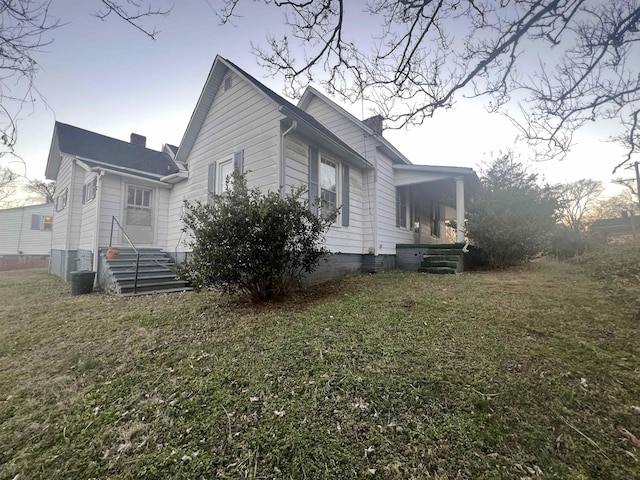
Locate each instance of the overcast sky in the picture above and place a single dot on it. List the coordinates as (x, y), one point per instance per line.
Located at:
(111, 79)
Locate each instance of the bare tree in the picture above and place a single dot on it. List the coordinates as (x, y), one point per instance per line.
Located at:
(23, 32)
(45, 191)
(551, 65)
(26, 26)
(613, 207)
(577, 202)
(8, 184)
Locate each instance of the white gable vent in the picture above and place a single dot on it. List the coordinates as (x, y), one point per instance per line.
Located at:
(227, 83)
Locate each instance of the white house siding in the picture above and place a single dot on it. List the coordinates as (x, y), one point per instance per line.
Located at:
(241, 118)
(88, 213)
(352, 134)
(60, 226)
(18, 238)
(74, 206)
(339, 238)
(111, 205)
(388, 233)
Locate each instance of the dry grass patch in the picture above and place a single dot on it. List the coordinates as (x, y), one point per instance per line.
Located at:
(519, 374)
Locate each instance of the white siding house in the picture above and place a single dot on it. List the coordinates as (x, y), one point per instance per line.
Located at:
(238, 123)
(26, 236)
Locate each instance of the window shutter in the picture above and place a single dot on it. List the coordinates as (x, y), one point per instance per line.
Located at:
(211, 185)
(238, 161)
(36, 222)
(313, 178)
(345, 196)
(398, 193)
(84, 194)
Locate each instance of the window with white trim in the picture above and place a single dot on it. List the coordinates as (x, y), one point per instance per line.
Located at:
(61, 200)
(41, 222)
(328, 186)
(225, 170)
(89, 190)
(401, 207)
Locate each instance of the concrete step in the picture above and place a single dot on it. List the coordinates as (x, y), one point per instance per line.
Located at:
(156, 292)
(177, 285)
(130, 276)
(443, 251)
(442, 258)
(437, 270)
(427, 263)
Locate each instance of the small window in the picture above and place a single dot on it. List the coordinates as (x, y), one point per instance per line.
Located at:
(89, 190)
(328, 187)
(61, 200)
(227, 83)
(41, 222)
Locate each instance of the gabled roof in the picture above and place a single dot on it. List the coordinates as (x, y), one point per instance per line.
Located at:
(101, 151)
(386, 145)
(214, 80)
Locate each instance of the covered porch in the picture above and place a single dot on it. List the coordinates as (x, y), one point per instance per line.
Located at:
(434, 196)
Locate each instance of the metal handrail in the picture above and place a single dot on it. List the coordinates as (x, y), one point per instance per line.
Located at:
(135, 278)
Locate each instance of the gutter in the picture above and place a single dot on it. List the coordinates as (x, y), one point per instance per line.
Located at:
(346, 152)
(282, 173)
(178, 175)
(128, 175)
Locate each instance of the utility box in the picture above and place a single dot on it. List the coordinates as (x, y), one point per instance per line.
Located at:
(82, 282)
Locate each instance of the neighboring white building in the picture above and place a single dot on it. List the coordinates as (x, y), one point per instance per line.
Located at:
(25, 238)
(238, 123)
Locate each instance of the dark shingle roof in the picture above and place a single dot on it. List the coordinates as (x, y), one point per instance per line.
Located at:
(110, 152)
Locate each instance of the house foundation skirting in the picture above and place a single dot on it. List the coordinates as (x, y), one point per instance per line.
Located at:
(63, 262)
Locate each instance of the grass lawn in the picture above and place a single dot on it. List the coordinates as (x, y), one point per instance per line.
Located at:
(528, 373)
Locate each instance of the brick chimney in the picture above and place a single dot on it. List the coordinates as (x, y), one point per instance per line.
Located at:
(139, 140)
(374, 123)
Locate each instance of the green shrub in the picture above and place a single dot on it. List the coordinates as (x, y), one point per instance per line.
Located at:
(512, 217)
(565, 243)
(246, 241)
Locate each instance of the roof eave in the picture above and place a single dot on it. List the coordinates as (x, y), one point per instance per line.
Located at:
(344, 150)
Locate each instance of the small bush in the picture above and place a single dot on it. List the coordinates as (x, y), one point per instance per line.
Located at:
(254, 243)
(566, 243)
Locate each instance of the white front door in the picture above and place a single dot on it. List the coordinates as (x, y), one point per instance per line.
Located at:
(138, 215)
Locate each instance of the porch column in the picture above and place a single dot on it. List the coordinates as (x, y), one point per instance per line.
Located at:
(459, 209)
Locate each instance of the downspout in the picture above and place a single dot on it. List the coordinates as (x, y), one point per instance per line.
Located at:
(96, 237)
(375, 204)
(70, 198)
(22, 226)
(282, 173)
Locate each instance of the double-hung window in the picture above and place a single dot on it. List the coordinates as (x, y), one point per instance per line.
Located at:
(328, 187)
(41, 222)
(401, 207)
(222, 170)
(225, 176)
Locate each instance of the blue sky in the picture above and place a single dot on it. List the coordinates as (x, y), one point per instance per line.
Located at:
(109, 78)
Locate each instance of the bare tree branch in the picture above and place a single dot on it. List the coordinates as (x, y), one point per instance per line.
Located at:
(134, 12)
(550, 65)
